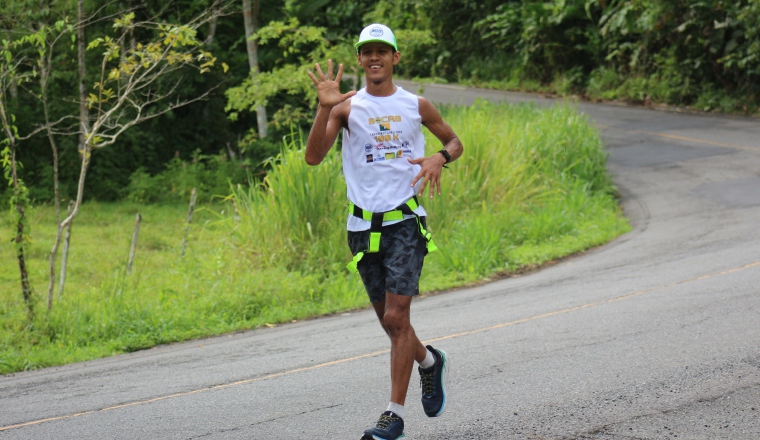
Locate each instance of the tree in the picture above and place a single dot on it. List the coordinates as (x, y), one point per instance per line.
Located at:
(12, 57)
(30, 56)
(314, 32)
(251, 21)
(19, 198)
(132, 89)
(45, 40)
(301, 47)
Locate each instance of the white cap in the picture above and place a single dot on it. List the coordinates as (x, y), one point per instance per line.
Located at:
(377, 33)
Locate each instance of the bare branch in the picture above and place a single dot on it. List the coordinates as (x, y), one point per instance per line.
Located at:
(44, 127)
(111, 138)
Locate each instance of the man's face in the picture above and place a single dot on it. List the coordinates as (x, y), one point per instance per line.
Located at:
(378, 60)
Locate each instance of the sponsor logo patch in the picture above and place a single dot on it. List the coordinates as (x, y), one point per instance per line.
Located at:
(367, 148)
(390, 156)
(385, 126)
(376, 32)
(370, 158)
(399, 153)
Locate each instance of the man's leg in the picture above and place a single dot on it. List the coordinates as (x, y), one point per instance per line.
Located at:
(432, 375)
(380, 311)
(394, 316)
(400, 268)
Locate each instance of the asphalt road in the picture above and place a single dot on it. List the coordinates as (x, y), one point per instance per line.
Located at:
(653, 336)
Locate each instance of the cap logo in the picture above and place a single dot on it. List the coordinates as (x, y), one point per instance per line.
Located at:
(376, 32)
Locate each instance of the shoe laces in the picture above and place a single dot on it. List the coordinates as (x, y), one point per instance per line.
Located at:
(426, 382)
(386, 420)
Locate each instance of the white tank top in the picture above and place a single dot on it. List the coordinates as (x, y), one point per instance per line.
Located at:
(383, 132)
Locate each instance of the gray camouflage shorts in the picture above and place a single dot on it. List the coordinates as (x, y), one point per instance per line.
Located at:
(396, 268)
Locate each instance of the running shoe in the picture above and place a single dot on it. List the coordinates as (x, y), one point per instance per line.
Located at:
(389, 427)
(433, 384)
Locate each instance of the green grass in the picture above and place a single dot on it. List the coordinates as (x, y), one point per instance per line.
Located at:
(531, 187)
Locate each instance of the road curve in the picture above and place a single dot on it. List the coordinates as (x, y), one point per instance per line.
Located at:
(653, 336)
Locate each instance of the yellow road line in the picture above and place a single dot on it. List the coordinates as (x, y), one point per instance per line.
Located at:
(682, 138)
(377, 353)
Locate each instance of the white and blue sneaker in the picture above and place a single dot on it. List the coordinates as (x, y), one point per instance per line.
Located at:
(433, 384)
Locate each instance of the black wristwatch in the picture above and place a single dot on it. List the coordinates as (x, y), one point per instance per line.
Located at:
(446, 155)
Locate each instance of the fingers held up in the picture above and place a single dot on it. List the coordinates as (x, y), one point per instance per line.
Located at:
(320, 77)
(328, 89)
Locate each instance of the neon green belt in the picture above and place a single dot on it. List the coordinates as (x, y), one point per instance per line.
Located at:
(375, 230)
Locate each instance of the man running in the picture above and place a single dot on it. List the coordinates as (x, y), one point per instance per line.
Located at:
(384, 165)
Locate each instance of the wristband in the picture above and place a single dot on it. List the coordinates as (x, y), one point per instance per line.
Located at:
(446, 155)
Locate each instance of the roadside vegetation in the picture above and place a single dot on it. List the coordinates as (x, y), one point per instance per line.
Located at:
(701, 54)
(532, 187)
(124, 108)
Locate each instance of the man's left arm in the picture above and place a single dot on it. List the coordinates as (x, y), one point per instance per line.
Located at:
(433, 164)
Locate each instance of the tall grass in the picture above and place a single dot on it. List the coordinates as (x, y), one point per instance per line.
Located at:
(530, 187)
(521, 194)
(292, 218)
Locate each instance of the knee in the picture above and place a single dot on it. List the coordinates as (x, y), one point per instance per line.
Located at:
(395, 322)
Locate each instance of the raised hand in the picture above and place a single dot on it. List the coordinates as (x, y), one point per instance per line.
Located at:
(328, 89)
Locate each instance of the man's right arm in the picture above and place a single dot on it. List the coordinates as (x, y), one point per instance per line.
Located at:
(324, 131)
(332, 113)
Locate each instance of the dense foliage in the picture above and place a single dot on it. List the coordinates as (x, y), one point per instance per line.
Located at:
(175, 95)
(704, 53)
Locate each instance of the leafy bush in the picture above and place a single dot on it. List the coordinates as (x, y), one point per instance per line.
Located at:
(209, 175)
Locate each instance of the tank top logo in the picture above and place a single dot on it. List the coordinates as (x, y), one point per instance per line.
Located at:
(384, 119)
